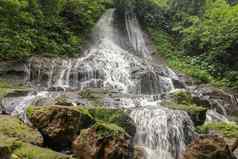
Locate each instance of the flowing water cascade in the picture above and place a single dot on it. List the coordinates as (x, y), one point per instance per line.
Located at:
(119, 60)
(17, 106)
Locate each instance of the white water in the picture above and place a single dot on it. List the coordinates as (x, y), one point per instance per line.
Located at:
(17, 106)
(161, 131)
(213, 116)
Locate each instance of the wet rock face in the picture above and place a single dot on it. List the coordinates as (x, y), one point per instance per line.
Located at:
(89, 146)
(58, 124)
(208, 147)
(213, 98)
(13, 71)
(58, 74)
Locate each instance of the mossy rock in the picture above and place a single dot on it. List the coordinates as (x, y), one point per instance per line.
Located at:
(88, 145)
(12, 148)
(183, 100)
(7, 146)
(4, 92)
(13, 127)
(7, 87)
(62, 100)
(181, 96)
(94, 95)
(114, 118)
(229, 130)
(208, 147)
(59, 124)
(197, 114)
(28, 151)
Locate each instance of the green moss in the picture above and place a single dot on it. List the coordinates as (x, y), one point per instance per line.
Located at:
(191, 108)
(29, 111)
(106, 129)
(183, 97)
(7, 145)
(7, 87)
(28, 151)
(4, 91)
(227, 129)
(182, 100)
(94, 95)
(13, 127)
(104, 114)
(107, 121)
(86, 112)
(12, 148)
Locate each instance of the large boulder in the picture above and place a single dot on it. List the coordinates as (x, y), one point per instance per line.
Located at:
(60, 125)
(13, 127)
(90, 145)
(208, 147)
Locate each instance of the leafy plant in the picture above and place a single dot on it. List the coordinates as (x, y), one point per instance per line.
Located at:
(227, 129)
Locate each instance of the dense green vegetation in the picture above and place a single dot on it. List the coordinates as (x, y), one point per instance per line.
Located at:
(42, 27)
(227, 129)
(210, 37)
(198, 38)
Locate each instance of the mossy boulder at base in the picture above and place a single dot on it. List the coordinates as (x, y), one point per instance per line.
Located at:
(59, 125)
(12, 148)
(90, 145)
(208, 147)
(13, 127)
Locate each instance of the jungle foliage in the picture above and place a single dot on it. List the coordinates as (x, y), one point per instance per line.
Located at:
(43, 27)
(204, 31)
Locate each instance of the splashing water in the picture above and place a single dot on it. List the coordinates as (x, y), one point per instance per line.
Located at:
(17, 106)
(161, 131)
(213, 116)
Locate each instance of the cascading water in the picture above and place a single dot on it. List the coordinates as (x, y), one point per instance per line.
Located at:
(17, 106)
(161, 131)
(107, 64)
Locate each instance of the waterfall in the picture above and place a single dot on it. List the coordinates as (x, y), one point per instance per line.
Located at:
(135, 36)
(108, 64)
(161, 131)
